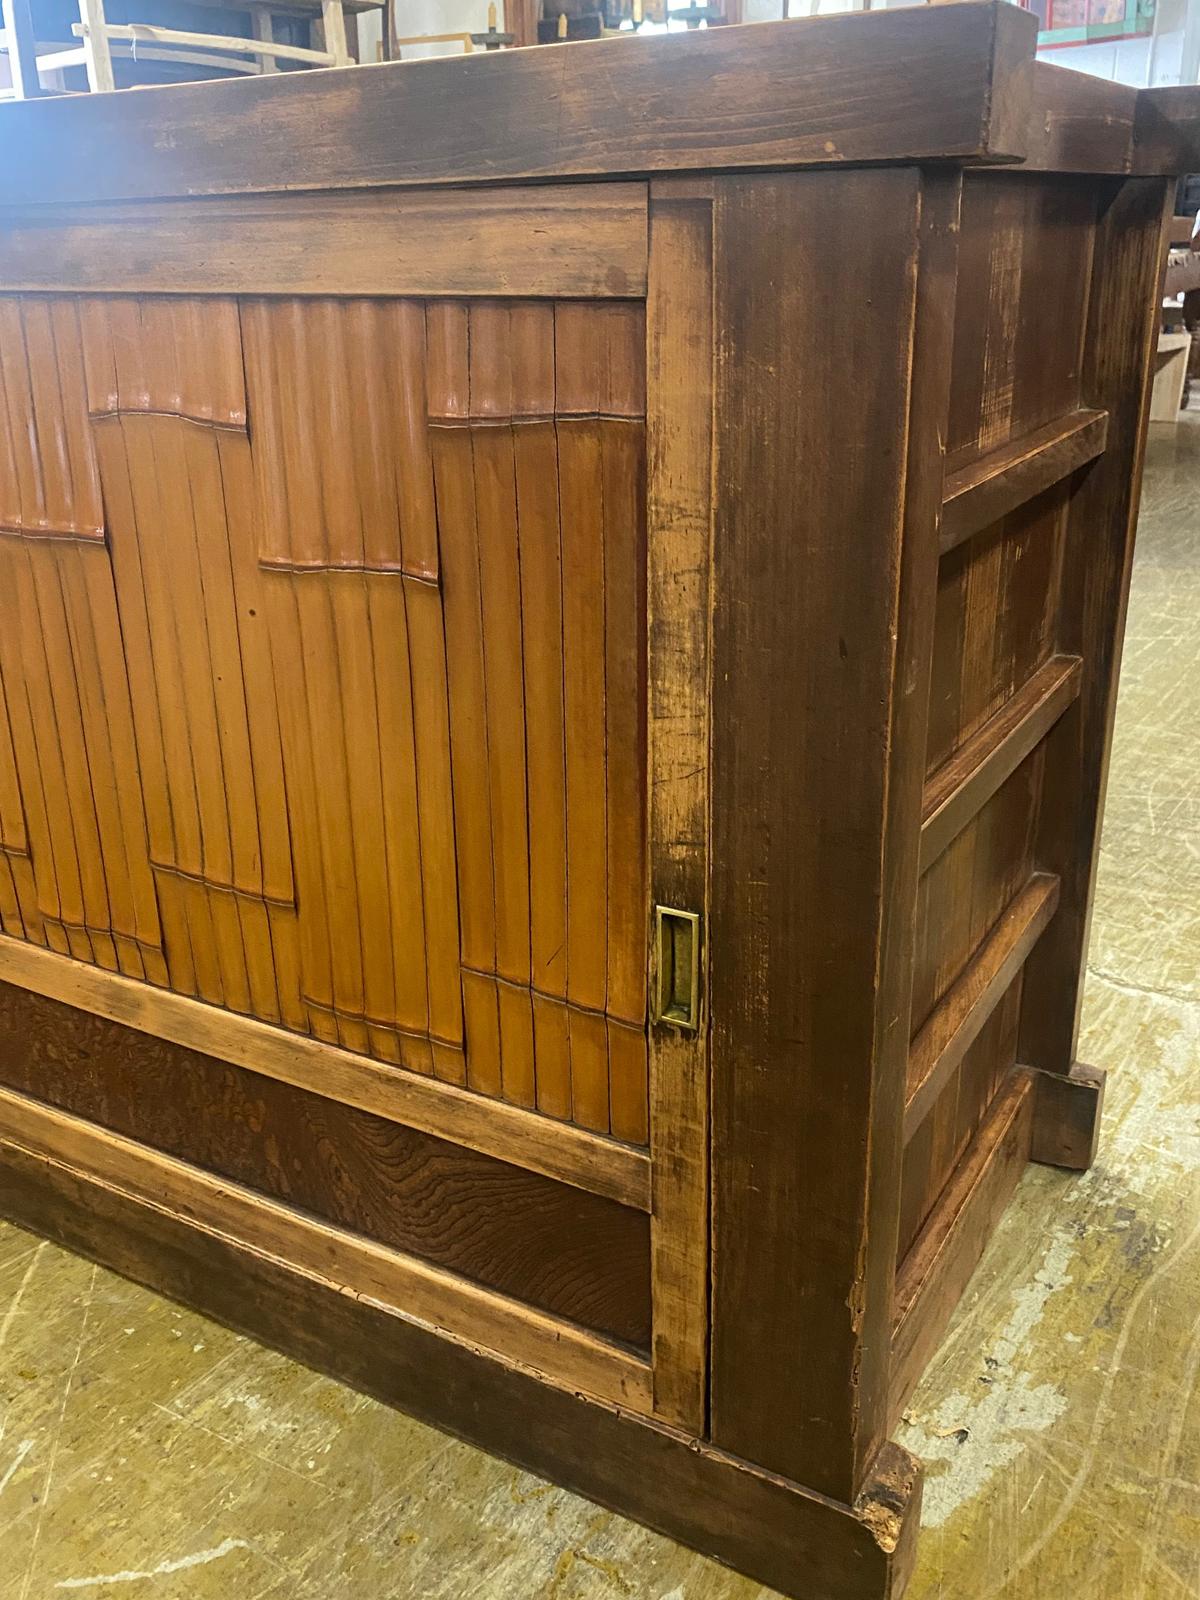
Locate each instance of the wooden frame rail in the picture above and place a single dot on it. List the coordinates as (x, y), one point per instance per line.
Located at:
(998, 482)
(936, 1270)
(524, 1138)
(958, 1018)
(412, 1287)
(964, 784)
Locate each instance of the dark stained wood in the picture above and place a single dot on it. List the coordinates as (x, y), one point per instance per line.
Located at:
(947, 82)
(956, 1021)
(969, 886)
(990, 487)
(997, 610)
(933, 1153)
(804, 865)
(1079, 123)
(548, 1244)
(560, 1151)
(1020, 313)
(1167, 130)
(940, 1263)
(791, 1540)
(1122, 328)
(1066, 1116)
(566, 240)
(962, 786)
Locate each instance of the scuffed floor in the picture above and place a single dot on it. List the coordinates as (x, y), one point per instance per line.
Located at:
(144, 1451)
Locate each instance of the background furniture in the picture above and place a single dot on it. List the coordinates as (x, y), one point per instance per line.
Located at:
(1170, 376)
(540, 870)
(166, 40)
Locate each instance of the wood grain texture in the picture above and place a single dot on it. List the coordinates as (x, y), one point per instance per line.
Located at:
(996, 484)
(947, 82)
(955, 1023)
(565, 241)
(997, 609)
(962, 786)
(680, 436)
(252, 728)
(438, 1298)
(940, 1263)
(550, 1245)
(792, 1540)
(1019, 315)
(556, 1149)
(1122, 328)
(1066, 1116)
(803, 863)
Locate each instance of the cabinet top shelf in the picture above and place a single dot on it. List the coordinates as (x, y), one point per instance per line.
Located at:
(951, 83)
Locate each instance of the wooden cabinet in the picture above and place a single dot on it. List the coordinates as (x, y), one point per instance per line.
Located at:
(558, 625)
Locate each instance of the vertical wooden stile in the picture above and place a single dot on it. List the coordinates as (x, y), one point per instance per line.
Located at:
(823, 617)
(679, 443)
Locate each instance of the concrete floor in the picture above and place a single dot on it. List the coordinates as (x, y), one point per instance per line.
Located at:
(146, 1451)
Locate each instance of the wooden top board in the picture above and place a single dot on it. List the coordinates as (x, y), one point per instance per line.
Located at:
(948, 82)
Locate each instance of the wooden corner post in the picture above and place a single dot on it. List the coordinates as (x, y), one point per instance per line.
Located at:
(824, 581)
(1122, 323)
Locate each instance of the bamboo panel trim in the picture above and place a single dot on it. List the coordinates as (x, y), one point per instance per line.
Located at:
(959, 1016)
(556, 1149)
(49, 482)
(962, 786)
(160, 356)
(988, 488)
(427, 1294)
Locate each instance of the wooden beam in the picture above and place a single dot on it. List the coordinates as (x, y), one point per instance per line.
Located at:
(938, 1268)
(958, 1019)
(578, 241)
(811, 630)
(949, 82)
(556, 1149)
(791, 1540)
(980, 494)
(964, 784)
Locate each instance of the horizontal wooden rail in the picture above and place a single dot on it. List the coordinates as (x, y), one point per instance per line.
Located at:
(957, 1019)
(937, 1269)
(357, 1265)
(965, 783)
(575, 241)
(524, 1138)
(986, 490)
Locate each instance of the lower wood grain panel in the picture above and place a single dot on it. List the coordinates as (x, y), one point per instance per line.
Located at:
(797, 1542)
(548, 1244)
(413, 1287)
(553, 1246)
